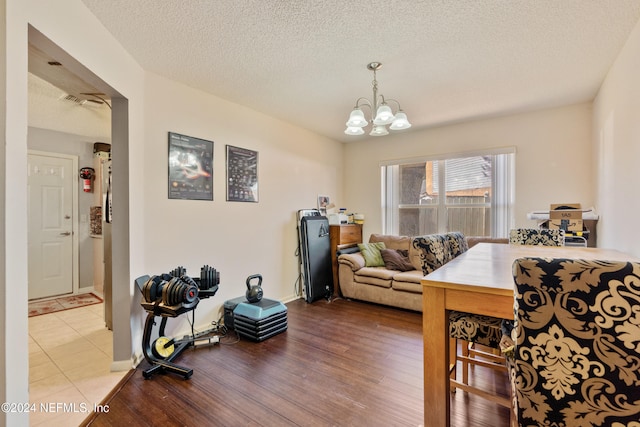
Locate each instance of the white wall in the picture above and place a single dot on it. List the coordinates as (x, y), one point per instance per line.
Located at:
(552, 159)
(13, 326)
(5, 271)
(616, 148)
(238, 239)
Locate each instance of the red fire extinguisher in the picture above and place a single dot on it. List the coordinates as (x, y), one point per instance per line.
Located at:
(86, 174)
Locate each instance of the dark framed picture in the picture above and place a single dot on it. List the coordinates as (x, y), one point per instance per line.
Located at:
(242, 174)
(190, 168)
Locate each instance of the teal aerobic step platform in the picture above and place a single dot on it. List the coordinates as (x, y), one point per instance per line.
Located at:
(261, 320)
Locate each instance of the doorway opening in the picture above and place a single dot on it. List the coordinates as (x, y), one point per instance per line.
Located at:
(75, 80)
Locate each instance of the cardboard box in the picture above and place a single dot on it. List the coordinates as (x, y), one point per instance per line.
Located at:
(566, 216)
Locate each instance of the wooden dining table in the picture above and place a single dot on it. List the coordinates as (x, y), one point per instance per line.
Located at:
(478, 281)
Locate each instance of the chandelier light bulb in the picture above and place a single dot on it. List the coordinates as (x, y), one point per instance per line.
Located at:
(400, 122)
(353, 130)
(357, 119)
(384, 115)
(379, 130)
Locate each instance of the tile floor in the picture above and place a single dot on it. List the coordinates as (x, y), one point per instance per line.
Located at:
(70, 355)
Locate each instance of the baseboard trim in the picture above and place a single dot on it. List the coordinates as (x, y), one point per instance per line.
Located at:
(290, 298)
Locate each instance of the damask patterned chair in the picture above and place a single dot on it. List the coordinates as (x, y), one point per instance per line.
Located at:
(577, 343)
(534, 236)
(435, 251)
(438, 249)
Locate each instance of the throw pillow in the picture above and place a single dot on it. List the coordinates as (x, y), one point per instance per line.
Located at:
(371, 254)
(396, 260)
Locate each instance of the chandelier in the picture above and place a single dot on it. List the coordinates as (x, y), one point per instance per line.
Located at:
(384, 114)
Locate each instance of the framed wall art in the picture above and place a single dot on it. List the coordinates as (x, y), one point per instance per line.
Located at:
(323, 203)
(242, 174)
(190, 168)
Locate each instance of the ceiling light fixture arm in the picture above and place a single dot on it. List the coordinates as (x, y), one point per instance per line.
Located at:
(366, 102)
(393, 100)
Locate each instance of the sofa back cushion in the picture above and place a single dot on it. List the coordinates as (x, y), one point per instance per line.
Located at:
(435, 250)
(392, 242)
(402, 243)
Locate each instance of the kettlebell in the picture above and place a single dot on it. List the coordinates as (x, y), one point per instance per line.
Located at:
(254, 292)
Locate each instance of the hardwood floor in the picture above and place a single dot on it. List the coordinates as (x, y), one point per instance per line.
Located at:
(343, 363)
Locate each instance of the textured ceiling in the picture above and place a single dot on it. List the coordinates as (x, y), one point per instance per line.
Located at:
(304, 61)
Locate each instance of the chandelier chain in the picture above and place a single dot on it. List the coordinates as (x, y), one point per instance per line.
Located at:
(375, 90)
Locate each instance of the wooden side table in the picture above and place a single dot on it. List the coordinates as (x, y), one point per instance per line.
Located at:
(341, 235)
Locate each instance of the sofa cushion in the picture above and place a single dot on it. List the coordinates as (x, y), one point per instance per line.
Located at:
(413, 276)
(399, 242)
(392, 242)
(396, 259)
(377, 272)
(371, 254)
(415, 288)
(408, 281)
(375, 276)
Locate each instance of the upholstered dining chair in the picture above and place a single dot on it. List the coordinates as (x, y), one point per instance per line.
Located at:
(576, 359)
(468, 329)
(535, 236)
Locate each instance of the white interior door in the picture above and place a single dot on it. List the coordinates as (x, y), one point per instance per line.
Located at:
(50, 210)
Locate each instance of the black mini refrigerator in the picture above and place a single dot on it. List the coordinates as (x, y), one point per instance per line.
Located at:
(315, 255)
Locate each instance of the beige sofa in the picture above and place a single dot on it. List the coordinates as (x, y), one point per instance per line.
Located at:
(384, 286)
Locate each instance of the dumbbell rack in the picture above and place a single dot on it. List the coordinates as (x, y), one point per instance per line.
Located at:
(159, 309)
(157, 364)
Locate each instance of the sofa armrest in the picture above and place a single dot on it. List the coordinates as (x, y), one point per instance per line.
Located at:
(355, 261)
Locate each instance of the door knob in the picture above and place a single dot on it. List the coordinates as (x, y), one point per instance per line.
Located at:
(66, 233)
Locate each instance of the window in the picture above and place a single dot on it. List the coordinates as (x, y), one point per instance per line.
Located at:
(470, 193)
